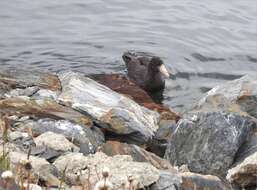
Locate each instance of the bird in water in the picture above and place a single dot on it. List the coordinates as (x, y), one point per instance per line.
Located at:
(144, 83)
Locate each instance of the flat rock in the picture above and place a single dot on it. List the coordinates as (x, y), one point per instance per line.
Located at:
(208, 142)
(244, 173)
(25, 78)
(192, 181)
(138, 154)
(40, 167)
(88, 139)
(168, 181)
(239, 95)
(121, 166)
(117, 113)
(42, 108)
(56, 142)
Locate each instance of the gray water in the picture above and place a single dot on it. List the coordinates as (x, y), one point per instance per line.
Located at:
(203, 42)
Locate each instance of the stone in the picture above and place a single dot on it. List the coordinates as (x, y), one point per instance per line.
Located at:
(138, 154)
(88, 139)
(45, 93)
(168, 181)
(56, 142)
(116, 113)
(192, 181)
(158, 144)
(29, 91)
(41, 169)
(120, 166)
(25, 78)
(42, 108)
(208, 142)
(244, 173)
(239, 95)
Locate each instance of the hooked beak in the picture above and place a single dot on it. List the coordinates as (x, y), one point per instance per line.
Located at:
(164, 71)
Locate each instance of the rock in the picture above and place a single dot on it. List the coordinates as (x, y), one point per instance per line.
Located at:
(158, 144)
(192, 181)
(116, 113)
(239, 95)
(45, 93)
(43, 108)
(25, 78)
(167, 181)
(56, 142)
(45, 152)
(22, 92)
(244, 173)
(138, 154)
(208, 142)
(40, 167)
(121, 166)
(22, 140)
(88, 139)
(249, 147)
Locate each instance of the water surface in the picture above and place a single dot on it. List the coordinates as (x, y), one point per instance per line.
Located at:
(203, 42)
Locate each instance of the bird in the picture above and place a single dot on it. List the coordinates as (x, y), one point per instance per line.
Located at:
(146, 70)
(145, 77)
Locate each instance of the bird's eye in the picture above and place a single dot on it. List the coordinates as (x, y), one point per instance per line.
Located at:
(141, 62)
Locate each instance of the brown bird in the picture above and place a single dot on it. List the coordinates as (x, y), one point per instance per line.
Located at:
(145, 76)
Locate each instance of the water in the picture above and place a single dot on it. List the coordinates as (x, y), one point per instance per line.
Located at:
(203, 42)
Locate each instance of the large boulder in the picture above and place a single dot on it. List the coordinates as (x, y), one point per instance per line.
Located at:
(207, 142)
(244, 173)
(42, 108)
(239, 96)
(41, 169)
(120, 166)
(87, 138)
(168, 181)
(25, 78)
(56, 142)
(117, 113)
(193, 181)
(138, 154)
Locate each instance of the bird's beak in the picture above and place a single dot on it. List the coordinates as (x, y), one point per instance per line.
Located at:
(164, 71)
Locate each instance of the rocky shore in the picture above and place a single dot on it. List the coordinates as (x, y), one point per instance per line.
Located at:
(66, 131)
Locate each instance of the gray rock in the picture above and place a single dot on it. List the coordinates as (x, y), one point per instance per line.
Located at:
(117, 113)
(45, 93)
(56, 142)
(29, 91)
(158, 144)
(88, 139)
(120, 166)
(244, 173)
(193, 181)
(40, 167)
(25, 78)
(168, 181)
(208, 142)
(239, 95)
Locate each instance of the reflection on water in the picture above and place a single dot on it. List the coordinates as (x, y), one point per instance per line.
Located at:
(205, 42)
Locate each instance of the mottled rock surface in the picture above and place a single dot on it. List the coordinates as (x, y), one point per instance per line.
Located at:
(244, 173)
(42, 108)
(120, 166)
(117, 113)
(193, 181)
(208, 142)
(167, 181)
(88, 139)
(40, 167)
(56, 142)
(138, 154)
(235, 96)
(26, 78)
